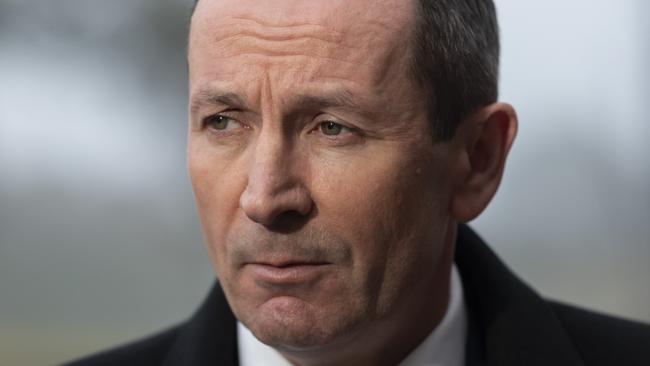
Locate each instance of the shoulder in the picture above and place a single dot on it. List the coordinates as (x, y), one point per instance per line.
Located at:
(147, 351)
(603, 339)
(208, 336)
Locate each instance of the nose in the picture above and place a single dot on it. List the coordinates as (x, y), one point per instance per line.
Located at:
(275, 189)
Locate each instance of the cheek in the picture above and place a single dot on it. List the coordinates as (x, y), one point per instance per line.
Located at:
(389, 206)
(217, 184)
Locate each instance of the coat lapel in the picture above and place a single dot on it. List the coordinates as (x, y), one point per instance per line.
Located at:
(209, 337)
(516, 326)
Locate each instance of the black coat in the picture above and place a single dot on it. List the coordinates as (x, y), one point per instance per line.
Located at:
(510, 324)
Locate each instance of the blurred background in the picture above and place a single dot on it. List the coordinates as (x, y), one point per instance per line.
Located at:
(99, 240)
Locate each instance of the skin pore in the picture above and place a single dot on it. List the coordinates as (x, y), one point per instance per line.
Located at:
(309, 148)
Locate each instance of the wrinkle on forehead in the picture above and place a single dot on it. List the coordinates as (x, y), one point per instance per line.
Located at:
(242, 39)
(338, 15)
(239, 25)
(335, 23)
(362, 44)
(237, 38)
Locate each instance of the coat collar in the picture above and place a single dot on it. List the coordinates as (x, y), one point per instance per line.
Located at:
(509, 323)
(209, 337)
(513, 324)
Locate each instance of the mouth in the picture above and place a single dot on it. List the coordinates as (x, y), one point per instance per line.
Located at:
(286, 272)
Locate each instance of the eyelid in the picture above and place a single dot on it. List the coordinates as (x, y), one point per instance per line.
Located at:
(205, 123)
(330, 118)
(227, 114)
(349, 136)
(344, 129)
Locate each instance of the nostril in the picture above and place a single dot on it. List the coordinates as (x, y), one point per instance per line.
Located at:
(285, 211)
(289, 221)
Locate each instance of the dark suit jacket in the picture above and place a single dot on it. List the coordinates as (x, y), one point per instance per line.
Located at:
(510, 324)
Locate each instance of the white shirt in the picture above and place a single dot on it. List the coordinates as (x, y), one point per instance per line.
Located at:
(444, 346)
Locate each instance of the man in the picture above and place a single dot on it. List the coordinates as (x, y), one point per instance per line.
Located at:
(335, 149)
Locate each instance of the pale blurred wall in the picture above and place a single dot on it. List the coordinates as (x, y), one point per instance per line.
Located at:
(573, 213)
(99, 241)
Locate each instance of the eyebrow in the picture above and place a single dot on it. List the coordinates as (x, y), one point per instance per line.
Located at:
(342, 98)
(209, 96)
(339, 98)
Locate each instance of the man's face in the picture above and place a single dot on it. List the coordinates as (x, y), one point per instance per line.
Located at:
(323, 199)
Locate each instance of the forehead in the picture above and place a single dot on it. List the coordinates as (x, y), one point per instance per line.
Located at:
(350, 31)
(351, 18)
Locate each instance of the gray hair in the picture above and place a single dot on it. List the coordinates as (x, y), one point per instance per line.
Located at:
(455, 59)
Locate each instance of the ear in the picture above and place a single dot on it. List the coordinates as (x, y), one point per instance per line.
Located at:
(486, 140)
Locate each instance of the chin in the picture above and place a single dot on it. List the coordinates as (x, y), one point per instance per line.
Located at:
(291, 324)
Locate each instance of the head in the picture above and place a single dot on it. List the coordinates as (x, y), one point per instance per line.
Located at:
(332, 150)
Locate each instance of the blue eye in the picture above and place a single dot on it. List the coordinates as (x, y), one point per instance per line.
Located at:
(330, 128)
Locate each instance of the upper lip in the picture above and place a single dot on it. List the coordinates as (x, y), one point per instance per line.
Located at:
(282, 263)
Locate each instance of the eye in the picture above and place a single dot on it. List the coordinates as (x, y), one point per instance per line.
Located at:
(220, 122)
(330, 128)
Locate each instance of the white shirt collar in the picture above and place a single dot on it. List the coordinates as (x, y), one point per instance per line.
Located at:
(252, 352)
(444, 346)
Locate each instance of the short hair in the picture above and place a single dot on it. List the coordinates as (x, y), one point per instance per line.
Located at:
(455, 59)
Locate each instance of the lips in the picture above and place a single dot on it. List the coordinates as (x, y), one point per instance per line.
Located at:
(284, 263)
(286, 272)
